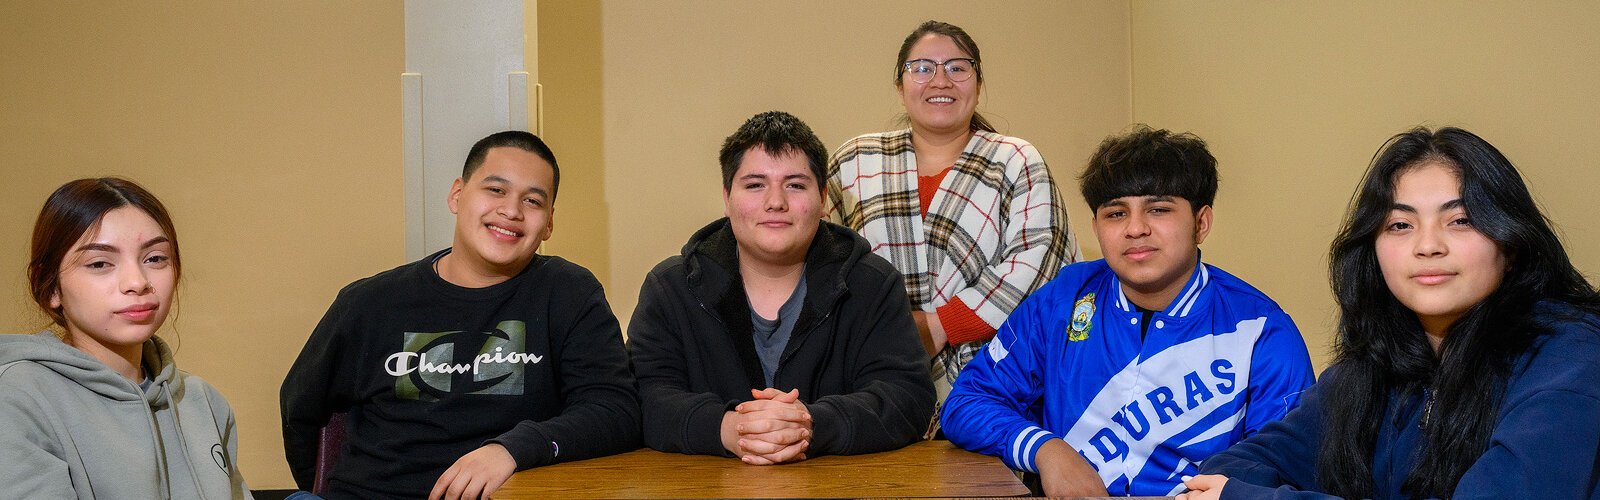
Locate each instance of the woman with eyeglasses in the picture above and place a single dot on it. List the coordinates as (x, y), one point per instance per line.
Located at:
(969, 216)
(98, 409)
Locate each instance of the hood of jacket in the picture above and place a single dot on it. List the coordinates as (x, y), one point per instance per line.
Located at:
(50, 352)
(711, 262)
(711, 258)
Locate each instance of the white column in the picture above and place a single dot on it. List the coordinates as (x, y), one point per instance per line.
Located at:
(465, 78)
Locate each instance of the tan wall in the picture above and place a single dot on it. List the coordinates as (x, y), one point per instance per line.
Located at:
(270, 129)
(680, 76)
(273, 131)
(569, 60)
(1295, 97)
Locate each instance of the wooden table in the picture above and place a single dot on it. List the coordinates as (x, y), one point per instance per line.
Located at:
(924, 469)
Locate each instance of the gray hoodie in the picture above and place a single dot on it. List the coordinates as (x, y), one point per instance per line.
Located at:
(70, 427)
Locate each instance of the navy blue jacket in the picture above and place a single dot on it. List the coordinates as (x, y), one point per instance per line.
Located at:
(1546, 445)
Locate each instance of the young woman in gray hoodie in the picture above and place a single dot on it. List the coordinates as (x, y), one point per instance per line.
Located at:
(98, 409)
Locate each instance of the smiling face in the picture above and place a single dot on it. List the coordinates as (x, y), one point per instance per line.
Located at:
(116, 283)
(940, 105)
(1152, 244)
(1433, 259)
(503, 212)
(774, 206)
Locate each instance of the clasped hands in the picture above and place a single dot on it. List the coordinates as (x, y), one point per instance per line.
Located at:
(774, 428)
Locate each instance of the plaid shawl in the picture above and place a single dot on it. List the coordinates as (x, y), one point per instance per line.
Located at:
(996, 230)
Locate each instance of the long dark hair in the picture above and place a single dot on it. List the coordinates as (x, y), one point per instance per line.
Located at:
(1381, 347)
(73, 209)
(963, 41)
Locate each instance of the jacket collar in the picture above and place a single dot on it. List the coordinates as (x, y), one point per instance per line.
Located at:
(1181, 306)
(711, 261)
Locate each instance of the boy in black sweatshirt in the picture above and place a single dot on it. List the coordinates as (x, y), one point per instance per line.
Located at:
(468, 365)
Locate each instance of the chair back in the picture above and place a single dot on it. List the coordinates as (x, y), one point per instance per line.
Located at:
(328, 451)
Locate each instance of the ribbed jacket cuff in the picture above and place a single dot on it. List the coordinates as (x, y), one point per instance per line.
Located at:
(961, 325)
(1025, 447)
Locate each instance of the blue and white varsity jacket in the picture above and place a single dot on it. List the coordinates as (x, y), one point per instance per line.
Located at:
(1219, 363)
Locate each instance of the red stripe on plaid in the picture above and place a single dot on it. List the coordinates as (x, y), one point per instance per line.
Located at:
(987, 223)
(1014, 147)
(1026, 244)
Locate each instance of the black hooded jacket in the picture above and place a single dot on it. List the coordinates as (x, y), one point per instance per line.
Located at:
(854, 352)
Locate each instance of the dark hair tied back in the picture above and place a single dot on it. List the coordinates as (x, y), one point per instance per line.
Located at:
(962, 40)
(76, 208)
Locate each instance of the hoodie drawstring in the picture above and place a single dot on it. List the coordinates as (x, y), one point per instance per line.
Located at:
(158, 446)
(183, 443)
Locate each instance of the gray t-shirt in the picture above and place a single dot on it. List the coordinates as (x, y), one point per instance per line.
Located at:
(772, 335)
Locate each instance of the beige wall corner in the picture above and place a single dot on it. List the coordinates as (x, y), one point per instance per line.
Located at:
(271, 131)
(570, 67)
(678, 77)
(1295, 98)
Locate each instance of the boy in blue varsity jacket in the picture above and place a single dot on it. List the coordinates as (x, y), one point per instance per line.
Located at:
(1122, 374)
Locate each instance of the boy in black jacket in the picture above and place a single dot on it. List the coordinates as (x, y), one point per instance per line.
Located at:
(477, 361)
(776, 336)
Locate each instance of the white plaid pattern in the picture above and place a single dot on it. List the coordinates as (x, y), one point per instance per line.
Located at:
(995, 232)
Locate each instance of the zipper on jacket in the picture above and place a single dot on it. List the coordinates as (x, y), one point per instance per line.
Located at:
(712, 313)
(788, 353)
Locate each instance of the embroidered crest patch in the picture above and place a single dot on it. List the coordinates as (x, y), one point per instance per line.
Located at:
(1082, 318)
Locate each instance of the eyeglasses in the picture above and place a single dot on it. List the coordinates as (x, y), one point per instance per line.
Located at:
(921, 71)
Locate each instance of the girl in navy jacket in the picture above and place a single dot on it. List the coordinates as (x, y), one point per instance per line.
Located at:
(1464, 362)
